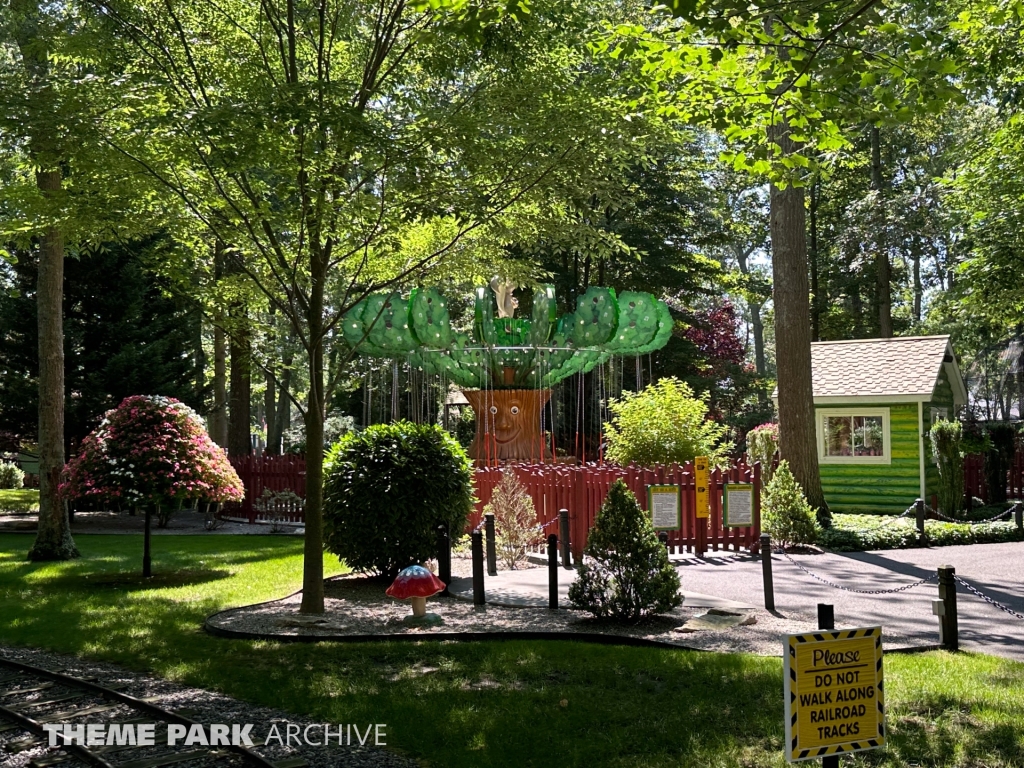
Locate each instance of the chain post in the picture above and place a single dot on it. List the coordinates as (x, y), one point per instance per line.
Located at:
(1018, 515)
(492, 552)
(553, 572)
(948, 630)
(479, 598)
(919, 512)
(563, 536)
(766, 572)
(444, 557)
(827, 620)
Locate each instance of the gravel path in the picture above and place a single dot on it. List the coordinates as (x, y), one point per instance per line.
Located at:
(204, 707)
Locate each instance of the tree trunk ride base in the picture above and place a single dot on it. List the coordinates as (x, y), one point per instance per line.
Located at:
(508, 424)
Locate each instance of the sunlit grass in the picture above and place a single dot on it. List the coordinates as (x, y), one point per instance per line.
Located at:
(19, 501)
(479, 704)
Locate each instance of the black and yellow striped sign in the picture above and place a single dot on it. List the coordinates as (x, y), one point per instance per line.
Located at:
(834, 692)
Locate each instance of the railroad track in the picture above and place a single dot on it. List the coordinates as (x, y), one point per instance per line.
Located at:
(31, 697)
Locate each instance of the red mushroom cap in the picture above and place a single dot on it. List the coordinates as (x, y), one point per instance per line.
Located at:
(415, 581)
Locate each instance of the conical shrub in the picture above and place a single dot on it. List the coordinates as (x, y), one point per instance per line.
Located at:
(625, 572)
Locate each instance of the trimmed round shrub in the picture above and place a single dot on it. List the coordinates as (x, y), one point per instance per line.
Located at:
(625, 573)
(785, 514)
(663, 424)
(386, 491)
(150, 450)
(11, 476)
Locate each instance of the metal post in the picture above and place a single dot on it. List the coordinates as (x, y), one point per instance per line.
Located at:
(766, 572)
(563, 535)
(919, 512)
(478, 568)
(492, 553)
(945, 607)
(553, 572)
(147, 561)
(444, 557)
(663, 538)
(1018, 515)
(827, 620)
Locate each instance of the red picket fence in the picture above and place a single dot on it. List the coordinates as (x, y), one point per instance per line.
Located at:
(580, 490)
(278, 473)
(974, 477)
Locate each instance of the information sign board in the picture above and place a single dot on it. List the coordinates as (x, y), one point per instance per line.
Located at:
(701, 477)
(834, 701)
(664, 508)
(737, 504)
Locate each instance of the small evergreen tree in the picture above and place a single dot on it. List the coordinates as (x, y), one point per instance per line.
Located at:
(625, 572)
(515, 520)
(785, 514)
(947, 448)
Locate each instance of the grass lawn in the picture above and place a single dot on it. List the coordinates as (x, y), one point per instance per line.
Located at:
(479, 704)
(22, 500)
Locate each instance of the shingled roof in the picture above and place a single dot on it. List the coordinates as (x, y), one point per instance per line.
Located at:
(883, 368)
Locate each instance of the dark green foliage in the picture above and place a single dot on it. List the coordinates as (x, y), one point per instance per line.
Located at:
(387, 489)
(861, 533)
(948, 451)
(998, 460)
(122, 336)
(626, 573)
(785, 514)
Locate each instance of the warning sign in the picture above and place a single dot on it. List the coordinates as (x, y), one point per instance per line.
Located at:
(834, 701)
(701, 478)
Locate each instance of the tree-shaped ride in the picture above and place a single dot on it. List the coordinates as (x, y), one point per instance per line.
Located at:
(507, 365)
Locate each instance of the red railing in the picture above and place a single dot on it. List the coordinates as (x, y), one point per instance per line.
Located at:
(580, 490)
(278, 473)
(976, 485)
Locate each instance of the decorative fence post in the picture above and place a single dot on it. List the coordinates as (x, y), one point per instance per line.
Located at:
(766, 572)
(919, 512)
(492, 554)
(945, 608)
(563, 535)
(1018, 515)
(479, 598)
(827, 620)
(553, 572)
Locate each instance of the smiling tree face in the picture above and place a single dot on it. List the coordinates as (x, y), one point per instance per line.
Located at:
(508, 424)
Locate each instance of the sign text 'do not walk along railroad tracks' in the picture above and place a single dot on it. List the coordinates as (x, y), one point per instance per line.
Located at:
(834, 692)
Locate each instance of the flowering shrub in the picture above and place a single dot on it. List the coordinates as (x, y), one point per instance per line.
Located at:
(150, 450)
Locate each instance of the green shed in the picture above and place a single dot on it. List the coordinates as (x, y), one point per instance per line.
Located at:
(874, 402)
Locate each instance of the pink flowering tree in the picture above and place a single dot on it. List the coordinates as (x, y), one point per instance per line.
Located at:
(151, 452)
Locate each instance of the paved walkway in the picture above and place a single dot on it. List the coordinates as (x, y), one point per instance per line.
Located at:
(725, 578)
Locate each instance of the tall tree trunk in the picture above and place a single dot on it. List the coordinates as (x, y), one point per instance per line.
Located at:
(918, 288)
(269, 403)
(787, 224)
(815, 289)
(283, 410)
(883, 270)
(53, 540)
(240, 399)
(219, 412)
(313, 551)
(756, 323)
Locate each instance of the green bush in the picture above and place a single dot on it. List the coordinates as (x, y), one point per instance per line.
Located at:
(785, 514)
(859, 533)
(625, 572)
(762, 443)
(663, 424)
(11, 476)
(335, 425)
(386, 491)
(947, 448)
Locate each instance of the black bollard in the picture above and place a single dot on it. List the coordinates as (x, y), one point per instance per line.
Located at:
(563, 534)
(492, 553)
(949, 633)
(919, 513)
(766, 572)
(663, 538)
(1018, 515)
(479, 598)
(444, 557)
(553, 572)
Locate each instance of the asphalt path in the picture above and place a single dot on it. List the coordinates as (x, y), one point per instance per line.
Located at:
(995, 569)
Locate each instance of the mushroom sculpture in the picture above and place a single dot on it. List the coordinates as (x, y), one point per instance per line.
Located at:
(416, 584)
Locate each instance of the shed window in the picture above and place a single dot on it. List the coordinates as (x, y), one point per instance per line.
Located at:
(854, 436)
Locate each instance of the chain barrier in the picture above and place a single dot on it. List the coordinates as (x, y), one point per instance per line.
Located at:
(986, 598)
(542, 526)
(832, 584)
(987, 520)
